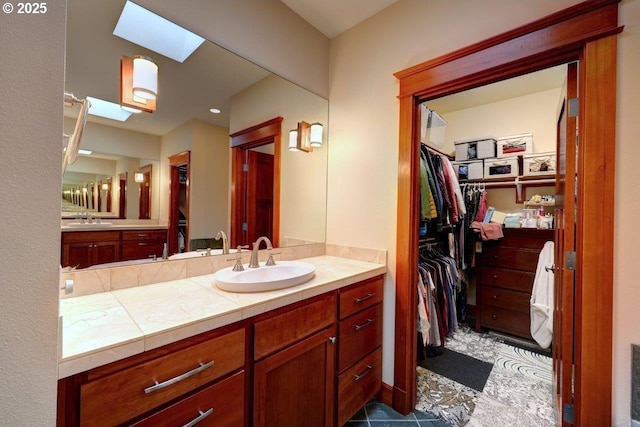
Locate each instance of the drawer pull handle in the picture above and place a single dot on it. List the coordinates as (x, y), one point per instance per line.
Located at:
(550, 268)
(364, 325)
(199, 418)
(362, 375)
(333, 340)
(495, 276)
(142, 235)
(495, 297)
(143, 244)
(494, 317)
(157, 386)
(359, 300)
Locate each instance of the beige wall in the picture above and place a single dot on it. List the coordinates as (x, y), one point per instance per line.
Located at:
(31, 88)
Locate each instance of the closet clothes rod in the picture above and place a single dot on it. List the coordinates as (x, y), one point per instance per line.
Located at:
(437, 151)
(506, 184)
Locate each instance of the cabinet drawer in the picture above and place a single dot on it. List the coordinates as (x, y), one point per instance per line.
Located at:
(525, 238)
(219, 405)
(276, 332)
(511, 322)
(510, 300)
(130, 392)
(514, 258)
(358, 335)
(360, 296)
(90, 236)
(358, 384)
(143, 249)
(516, 280)
(144, 235)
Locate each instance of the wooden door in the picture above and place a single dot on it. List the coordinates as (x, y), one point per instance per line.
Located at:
(295, 386)
(259, 196)
(122, 198)
(179, 201)
(565, 239)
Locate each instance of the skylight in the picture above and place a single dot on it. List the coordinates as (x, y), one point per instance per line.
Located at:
(143, 27)
(108, 110)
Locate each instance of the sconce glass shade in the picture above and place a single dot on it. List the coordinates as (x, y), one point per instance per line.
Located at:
(131, 109)
(293, 140)
(315, 140)
(138, 177)
(105, 186)
(145, 77)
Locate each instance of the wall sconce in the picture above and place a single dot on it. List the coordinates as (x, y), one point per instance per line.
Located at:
(138, 177)
(305, 137)
(105, 186)
(138, 84)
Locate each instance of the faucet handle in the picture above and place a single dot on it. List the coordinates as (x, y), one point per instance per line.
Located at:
(238, 259)
(270, 260)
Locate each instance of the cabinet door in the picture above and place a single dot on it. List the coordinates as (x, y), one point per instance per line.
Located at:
(105, 252)
(76, 255)
(295, 386)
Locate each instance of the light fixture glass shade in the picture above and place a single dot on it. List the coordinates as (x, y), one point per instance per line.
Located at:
(145, 77)
(105, 186)
(130, 109)
(315, 140)
(293, 140)
(138, 177)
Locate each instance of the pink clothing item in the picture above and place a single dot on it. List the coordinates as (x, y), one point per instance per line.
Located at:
(482, 207)
(488, 230)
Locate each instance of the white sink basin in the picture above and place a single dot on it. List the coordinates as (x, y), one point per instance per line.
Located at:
(89, 224)
(265, 278)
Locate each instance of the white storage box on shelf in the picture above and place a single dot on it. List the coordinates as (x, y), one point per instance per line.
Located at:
(515, 145)
(469, 170)
(474, 149)
(433, 127)
(501, 168)
(539, 164)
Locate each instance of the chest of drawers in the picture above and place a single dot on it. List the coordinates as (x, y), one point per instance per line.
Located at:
(506, 273)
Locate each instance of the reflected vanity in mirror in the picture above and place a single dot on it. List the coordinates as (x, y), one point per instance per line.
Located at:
(186, 120)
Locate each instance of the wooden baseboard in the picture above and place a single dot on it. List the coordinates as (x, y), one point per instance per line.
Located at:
(385, 395)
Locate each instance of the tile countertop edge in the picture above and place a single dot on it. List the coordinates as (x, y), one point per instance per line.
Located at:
(102, 356)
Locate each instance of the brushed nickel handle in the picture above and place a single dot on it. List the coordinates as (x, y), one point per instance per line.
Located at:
(362, 375)
(364, 325)
(199, 418)
(495, 297)
(142, 235)
(494, 317)
(359, 300)
(143, 244)
(550, 268)
(157, 386)
(332, 340)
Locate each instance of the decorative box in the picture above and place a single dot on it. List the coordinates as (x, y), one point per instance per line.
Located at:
(477, 148)
(501, 168)
(515, 145)
(539, 164)
(469, 170)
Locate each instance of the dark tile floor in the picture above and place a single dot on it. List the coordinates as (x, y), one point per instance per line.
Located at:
(377, 414)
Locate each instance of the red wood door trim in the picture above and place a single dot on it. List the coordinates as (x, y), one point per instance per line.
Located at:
(180, 159)
(586, 31)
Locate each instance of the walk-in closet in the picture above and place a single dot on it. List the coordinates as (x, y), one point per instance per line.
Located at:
(486, 249)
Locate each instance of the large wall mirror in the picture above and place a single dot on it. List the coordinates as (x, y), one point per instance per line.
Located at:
(210, 78)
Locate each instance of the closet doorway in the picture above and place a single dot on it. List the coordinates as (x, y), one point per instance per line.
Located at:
(586, 33)
(179, 172)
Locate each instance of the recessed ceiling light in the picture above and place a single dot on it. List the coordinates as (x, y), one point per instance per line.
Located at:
(143, 27)
(106, 109)
(215, 110)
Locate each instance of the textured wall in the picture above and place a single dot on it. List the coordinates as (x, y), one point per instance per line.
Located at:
(31, 89)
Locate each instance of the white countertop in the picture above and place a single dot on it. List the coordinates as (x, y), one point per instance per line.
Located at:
(102, 328)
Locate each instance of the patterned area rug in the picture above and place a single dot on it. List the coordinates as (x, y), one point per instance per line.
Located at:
(517, 392)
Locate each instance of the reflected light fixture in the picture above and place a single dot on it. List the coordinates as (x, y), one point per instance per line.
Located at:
(138, 177)
(305, 137)
(105, 186)
(138, 84)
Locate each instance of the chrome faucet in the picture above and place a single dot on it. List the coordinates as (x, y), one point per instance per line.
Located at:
(225, 241)
(253, 263)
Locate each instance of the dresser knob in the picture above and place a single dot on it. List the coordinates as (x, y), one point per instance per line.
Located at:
(495, 257)
(495, 276)
(494, 317)
(495, 297)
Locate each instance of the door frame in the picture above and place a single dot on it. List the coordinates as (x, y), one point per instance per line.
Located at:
(254, 136)
(176, 161)
(586, 32)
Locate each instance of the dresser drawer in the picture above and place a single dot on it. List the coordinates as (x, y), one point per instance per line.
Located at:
(511, 322)
(90, 236)
(508, 279)
(219, 405)
(281, 330)
(524, 238)
(358, 335)
(360, 296)
(358, 384)
(510, 300)
(513, 258)
(123, 395)
(143, 249)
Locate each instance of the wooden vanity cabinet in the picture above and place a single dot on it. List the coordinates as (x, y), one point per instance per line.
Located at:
(507, 270)
(141, 244)
(86, 248)
(294, 365)
(359, 372)
(172, 385)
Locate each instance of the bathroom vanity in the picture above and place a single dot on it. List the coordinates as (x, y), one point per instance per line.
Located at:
(309, 353)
